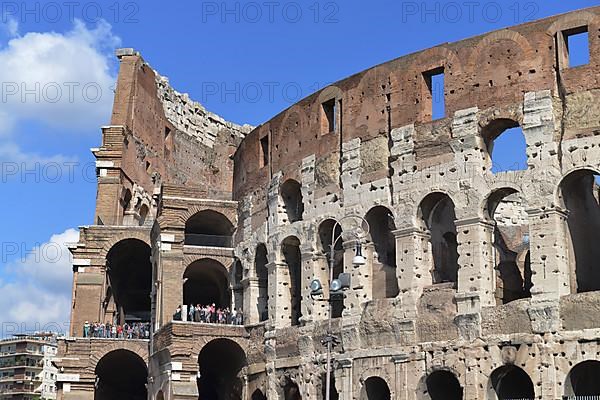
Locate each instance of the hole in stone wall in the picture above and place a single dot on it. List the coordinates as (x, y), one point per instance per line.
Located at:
(579, 193)
(291, 391)
(264, 151)
(443, 385)
(507, 208)
(290, 249)
(208, 228)
(375, 388)
(206, 282)
(435, 81)
(582, 380)
(333, 393)
(291, 194)
(577, 48)
(219, 364)
(325, 238)
(258, 395)
(506, 145)
(328, 116)
(121, 374)
(381, 222)
(437, 215)
(260, 263)
(511, 382)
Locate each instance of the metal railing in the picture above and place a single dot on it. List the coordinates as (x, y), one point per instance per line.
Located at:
(197, 239)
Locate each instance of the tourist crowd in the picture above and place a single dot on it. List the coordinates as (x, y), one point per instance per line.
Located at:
(135, 330)
(211, 314)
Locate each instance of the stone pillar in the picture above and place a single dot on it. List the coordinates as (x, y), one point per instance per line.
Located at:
(343, 379)
(308, 271)
(401, 384)
(170, 277)
(413, 257)
(360, 278)
(280, 306)
(351, 171)
(549, 254)
(251, 297)
(320, 309)
(476, 275)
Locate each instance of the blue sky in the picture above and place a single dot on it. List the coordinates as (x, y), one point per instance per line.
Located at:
(243, 60)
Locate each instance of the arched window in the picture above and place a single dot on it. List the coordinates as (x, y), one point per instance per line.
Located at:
(381, 223)
(144, 211)
(579, 194)
(437, 216)
(375, 388)
(443, 385)
(506, 208)
(219, 363)
(583, 380)
(260, 264)
(121, 374)
(510, 382)
(290, 249)
(506, 145)
(206, 282)
(325, 238)
(208, 228)
(258, 395)
(129, 275)
(291, 195)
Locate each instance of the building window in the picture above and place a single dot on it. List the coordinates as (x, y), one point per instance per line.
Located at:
(264, 151)
(576, 47)
(328, 116)
(435, 101)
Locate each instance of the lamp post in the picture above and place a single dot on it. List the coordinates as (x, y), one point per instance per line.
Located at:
(337, 285)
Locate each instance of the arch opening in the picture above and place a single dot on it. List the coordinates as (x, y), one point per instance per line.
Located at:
(325, 239)
(511, 382)
(129, 275)
(209, 228)
(206, 282)
(443, 385)
(291, 195)
(121, 374)
(238, 288)
(260, 265)
(220, 362)
(582, 380)
(291, 391)
(579, 193)
(385, 282)
(290, 249)
(506, 145)
(506, 208)
(258, 395)
(375, 388)
(160, 396)
(437, 216)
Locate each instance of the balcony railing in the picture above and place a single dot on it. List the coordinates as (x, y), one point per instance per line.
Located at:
(584, 397)
(197, 239)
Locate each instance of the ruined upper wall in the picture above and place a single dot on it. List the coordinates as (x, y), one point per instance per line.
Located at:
(491, 72)
(159, 136)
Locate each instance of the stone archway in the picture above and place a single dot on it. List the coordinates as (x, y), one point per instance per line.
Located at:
(121, 374)
(220, 362)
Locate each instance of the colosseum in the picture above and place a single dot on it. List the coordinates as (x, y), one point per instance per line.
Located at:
(458, 281)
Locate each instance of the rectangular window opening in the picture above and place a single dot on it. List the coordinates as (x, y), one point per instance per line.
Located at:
(436, 86)
(577, 47)
(264, 151)
(328, 123)
(167, 132)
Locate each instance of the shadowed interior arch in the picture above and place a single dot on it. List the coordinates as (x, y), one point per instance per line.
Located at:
(129, 274)
(443, 385)
(381, 223)
(219, 363)
(208, 228)
(375, 388)
(325, 238)
(121, 374)
(206, 282)
(511, 382)
(583, 380)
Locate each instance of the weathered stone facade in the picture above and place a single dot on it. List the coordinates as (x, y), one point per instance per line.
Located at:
(478, 285)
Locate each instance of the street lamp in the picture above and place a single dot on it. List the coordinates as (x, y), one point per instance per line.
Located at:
(337, 285)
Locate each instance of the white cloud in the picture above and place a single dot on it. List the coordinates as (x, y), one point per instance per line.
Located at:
(10, 26)
(62, 80)
(36, 290)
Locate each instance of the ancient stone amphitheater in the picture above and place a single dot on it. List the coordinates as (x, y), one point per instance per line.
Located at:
(478, 284)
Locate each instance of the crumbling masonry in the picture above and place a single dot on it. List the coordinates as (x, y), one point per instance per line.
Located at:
(478, 285)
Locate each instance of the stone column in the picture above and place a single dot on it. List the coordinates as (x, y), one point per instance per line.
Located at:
(280, 307)
(360, 278)
(401, 376)
(307, 273)
(251, 308)
(549, 254)
(413, 257)
(476, 276)
(343, 379)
